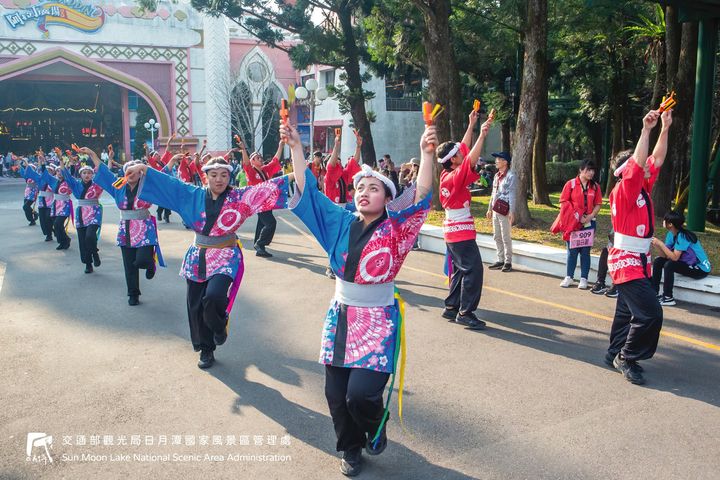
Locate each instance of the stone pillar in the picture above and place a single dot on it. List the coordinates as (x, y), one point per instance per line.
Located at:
(216, 47)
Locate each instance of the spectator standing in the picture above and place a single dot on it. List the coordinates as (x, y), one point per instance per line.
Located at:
(500, 210)
(581, 196)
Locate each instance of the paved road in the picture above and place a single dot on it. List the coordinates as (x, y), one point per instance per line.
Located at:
(118, 390)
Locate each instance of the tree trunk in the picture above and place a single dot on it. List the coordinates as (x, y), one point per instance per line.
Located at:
(533, 87)
(355, 87)
(505, 136)
(678, 141)
(443, 76)
(541, 196)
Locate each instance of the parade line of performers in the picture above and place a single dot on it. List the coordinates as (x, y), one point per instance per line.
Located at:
(366, 227)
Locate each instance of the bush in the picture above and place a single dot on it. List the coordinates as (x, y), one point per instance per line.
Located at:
(559, 173)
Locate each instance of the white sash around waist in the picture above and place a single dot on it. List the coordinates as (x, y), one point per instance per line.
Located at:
(61, 197)
(87, 202)
(139, 214)
(45, 194)
(456, 214)
(632, 244)
(364, 295)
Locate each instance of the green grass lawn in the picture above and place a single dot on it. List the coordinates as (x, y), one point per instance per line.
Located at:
(543, 216)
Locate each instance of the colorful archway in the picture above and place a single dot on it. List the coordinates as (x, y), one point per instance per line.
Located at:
(60, 55)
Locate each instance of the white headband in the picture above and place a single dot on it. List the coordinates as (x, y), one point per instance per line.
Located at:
(450, 154)
(130, 164)
(50, 166)
(366, 171)
(86, 167)
(205, 168)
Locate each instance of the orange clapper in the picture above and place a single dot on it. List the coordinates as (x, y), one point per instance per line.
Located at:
(431, 112)
(668, 102)
(476, 105)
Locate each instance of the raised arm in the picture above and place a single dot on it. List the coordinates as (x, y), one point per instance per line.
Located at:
(243, 152)
(335, 152)
(93, 156)
(292, 137)
(425, 173)
(474, 154)
(660, 150)
(171, 163)
(472, 120)
(643, 145)
(358, 148)
(279, 152)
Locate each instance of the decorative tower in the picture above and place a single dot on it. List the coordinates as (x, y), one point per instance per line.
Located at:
(217, 82)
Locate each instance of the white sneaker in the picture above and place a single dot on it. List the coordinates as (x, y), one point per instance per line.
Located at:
(583, 284)
(567, 282)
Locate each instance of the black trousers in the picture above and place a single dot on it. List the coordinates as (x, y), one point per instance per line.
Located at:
(206, 305)
(355, 398)
(59, 229)
(163, 213)
(133, 260)
(638, 319)
(602, 266)
(28, 209)
(467, 276)
(670, 267)
(265, 229)
(87, 242)
(46, 222)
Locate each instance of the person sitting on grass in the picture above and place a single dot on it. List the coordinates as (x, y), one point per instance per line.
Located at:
(680, 253)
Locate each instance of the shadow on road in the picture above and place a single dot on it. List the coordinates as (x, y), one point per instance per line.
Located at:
(314, 428)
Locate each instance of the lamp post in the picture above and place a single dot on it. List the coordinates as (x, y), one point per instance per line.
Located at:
(313, 96)
(151, 127)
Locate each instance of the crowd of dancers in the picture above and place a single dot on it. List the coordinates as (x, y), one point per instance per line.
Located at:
(364, 220)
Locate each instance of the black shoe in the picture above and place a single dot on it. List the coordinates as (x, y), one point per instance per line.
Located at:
(496, 266)
(612, 293)
(63, 246)
(599, 289)
(207, 358)
(629, 369)
(608, 360)
(32, 224)
(133, 300)
(150, 272)
(96, 259)
(378, 447)
(261, 252)
(88, 268)
(470, 321)
(666, 301)
(220, 338)
(49, 238)
(507, 267)
(351, 463)
(167, 219)
(450, 313)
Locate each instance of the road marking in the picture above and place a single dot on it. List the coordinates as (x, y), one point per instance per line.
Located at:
(663, 332)
(2, 274)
